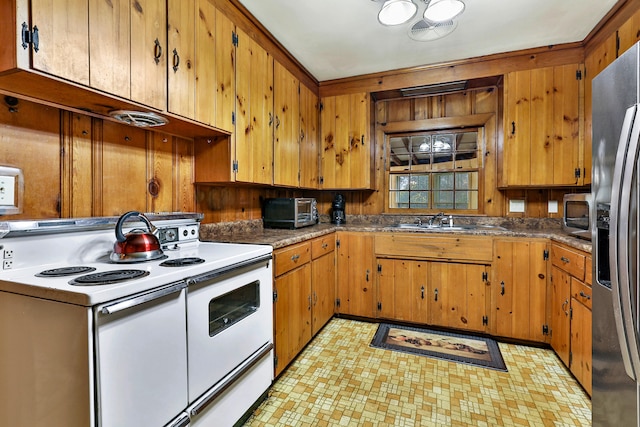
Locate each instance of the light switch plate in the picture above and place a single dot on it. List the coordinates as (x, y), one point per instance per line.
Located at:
(11, 190)
(553, 206)
(516, 206)
(8, 191)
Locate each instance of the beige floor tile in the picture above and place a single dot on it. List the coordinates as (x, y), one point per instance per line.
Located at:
(339, 380)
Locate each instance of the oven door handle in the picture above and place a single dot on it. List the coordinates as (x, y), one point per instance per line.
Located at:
(132, 302)
(182, 421)
(228, 381)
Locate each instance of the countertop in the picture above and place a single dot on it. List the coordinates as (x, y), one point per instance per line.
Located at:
(252, 232)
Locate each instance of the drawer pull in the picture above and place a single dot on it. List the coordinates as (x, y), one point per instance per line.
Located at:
(295, 258)
(583, 295)
(565, 260)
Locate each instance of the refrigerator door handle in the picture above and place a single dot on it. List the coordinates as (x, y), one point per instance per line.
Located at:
(619, 242)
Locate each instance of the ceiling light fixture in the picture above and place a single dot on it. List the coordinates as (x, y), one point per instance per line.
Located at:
(396, 12)
(443, 10)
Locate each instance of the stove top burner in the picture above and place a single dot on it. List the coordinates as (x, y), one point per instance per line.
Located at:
(108, 277)
(181, 262)
(65, 271)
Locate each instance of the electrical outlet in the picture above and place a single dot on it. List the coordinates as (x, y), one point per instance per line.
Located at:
(7, 264)
(8, 191)
(8, 253)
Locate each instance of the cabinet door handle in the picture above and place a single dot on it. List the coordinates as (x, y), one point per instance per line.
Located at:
(325, 245)
(367, 275)
(315, 297)
(176, 60)
(502, 288)
(436, 293)
(309, 307)
(157, 51)
(583, 295)
(564, 304)
(513, 128)
(362, 139)
(277, 122)
(422, 292)
(270, 119)
(565, 260)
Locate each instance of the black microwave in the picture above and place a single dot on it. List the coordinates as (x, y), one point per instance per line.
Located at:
(575, 219)
(290, 212)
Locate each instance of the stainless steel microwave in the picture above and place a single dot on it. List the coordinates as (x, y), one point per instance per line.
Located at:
(290, 212)
(575, 220)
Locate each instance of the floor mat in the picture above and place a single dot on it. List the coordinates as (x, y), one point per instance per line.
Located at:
(469, 349)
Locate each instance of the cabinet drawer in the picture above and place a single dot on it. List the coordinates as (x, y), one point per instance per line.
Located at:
(588, 267)
(322, 245)
(442, 248)
(581, 292)
(568, 260)
(291, 257)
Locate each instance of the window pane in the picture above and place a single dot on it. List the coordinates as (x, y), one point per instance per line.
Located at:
(466, 200)
(420, 199)
(399, 155)
(399, 199)
(419, 182)
(399, 182)
(443, 181)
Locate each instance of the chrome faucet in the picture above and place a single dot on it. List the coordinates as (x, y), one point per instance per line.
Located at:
(434, 218)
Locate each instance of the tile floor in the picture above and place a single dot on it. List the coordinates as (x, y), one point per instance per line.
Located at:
(340, 381)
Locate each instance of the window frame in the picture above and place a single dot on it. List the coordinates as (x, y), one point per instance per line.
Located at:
(481, 144)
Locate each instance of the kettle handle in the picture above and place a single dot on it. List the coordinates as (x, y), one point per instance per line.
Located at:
(120, 237)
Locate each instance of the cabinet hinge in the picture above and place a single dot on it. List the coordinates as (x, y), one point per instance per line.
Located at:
(545, 329)
(545, 255)
(485, 276)
(321, 106)
(235, 166)
(577, 172)
(617, 44)
(275, 361)
(379, 306)
(485, 320)
(30, 37)
(337, 302)
(322, 180)
(338, 243)
(571, 313)
(275, 296)
(379, 268)
(578, 74)
(234, 38)
(233, 117)
(570, 358)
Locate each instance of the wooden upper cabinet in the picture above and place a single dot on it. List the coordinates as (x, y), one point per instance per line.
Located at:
(309, 165)
(542, 141)
(225, 73)
(63, 37)
(254, 112)
(148, 52)
(345, 152)
(109, 46)
(181, 54)
(286, 142)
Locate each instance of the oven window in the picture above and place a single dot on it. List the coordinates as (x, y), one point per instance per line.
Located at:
(232, 307)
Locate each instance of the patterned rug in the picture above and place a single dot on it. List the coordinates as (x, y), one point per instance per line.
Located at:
(450, 346)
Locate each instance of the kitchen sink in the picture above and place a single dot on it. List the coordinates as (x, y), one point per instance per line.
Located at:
(447, 228)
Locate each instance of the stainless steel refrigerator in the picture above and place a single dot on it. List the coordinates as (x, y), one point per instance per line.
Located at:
(614, 220)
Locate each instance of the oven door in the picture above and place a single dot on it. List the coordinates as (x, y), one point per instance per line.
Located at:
(141, 358)
(229, 318)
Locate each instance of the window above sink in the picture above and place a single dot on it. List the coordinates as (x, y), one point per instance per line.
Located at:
(435, 170)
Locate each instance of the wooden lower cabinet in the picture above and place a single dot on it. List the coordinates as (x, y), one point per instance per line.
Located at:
(304, 295)
(292, 305)
(458, 295)
(323, 281)
(519, 289)
(402, 290)
(355, 275)
(571, 310)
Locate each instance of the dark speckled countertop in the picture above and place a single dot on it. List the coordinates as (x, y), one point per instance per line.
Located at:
(252, 232)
